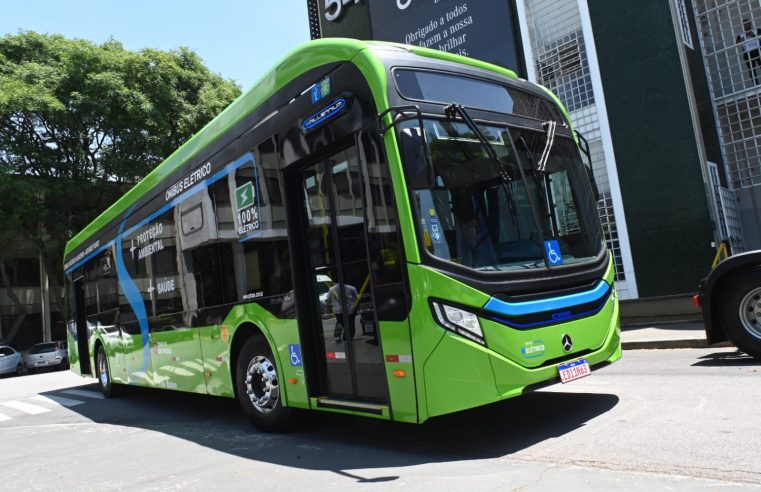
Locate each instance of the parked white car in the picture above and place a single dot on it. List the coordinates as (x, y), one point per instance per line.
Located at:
(10, 361)
(48, 354)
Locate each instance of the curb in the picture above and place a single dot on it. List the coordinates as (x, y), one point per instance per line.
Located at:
(685, 343)
(644, 324)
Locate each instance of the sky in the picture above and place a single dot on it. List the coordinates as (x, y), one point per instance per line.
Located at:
(238, 39)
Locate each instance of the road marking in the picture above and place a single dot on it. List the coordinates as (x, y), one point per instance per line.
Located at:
(86, 394)
(4, 417)
(25, 407)
(58, 400)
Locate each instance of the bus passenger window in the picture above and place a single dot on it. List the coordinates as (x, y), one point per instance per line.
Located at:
(164, 286)
(107, 283)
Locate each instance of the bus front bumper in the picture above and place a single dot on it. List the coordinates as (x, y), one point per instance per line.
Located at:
(461, 374)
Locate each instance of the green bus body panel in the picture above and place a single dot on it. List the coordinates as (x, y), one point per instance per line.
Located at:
(461, 374)
(511, 378)
(454, 373)
(458, 375)
(73, 354)
(426, 333)
(215, 353)
(396, 340)
(125, 358)
(585, 332)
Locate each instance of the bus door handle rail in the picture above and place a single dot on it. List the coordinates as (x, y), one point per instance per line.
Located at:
(398, 115)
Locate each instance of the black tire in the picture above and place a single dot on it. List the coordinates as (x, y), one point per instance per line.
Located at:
(103, 374)
(65, 364)
(257, 381)
(740, 307)
(19, 370)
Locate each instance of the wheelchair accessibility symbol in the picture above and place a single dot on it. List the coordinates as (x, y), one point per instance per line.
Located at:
(295, 351)
(554, 255)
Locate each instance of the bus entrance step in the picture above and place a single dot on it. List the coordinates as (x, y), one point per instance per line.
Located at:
(354, 406)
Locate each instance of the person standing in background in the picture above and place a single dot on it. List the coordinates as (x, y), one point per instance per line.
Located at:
(751, 48)
(334, 298)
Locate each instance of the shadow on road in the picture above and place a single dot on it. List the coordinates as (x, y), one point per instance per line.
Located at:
(325, 441)
(723, 359)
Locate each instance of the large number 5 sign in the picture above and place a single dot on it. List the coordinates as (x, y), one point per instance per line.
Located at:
(334, 8)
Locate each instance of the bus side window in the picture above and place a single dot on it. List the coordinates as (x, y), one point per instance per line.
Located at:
(166, 293)
(108, 296)
(268, 267)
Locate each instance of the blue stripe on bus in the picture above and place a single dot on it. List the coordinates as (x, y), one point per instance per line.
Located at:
(248, 156)
(133, 295)
(548, 321)
(545, 305)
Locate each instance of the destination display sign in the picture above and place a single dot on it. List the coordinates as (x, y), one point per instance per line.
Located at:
(474, 28)
(484, 30)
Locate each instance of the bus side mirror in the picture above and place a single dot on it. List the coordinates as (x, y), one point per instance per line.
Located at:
(415, 159)
(584, 147)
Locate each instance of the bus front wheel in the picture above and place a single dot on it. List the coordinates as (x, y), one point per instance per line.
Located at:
(258, 384)
(741, 312)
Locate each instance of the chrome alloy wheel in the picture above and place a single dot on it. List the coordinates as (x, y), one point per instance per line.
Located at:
(103, 370)
(750, 312)
(262, 385)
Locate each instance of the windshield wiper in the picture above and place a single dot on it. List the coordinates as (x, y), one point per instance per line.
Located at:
(531, 198)
(550, 128)
(540, 167)
(451, 112)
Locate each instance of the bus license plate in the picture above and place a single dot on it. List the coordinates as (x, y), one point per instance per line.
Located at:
(574, 370)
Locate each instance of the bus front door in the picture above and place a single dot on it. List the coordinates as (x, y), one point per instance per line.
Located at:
(80, 321)
(339, 296)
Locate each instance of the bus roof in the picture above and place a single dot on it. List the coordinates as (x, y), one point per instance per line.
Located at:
(298, 61)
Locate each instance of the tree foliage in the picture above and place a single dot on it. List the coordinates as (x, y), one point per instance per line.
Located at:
(80, 122)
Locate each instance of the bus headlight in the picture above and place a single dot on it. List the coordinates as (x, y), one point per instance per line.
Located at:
(462, 322)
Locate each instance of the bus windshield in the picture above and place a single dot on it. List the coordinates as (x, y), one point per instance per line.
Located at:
(507, 214)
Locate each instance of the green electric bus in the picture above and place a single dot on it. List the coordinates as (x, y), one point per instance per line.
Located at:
(373, 229)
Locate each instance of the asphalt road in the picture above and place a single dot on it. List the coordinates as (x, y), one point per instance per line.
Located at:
(657, 420)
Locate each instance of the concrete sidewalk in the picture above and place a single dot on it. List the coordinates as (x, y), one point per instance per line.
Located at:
(664, 335)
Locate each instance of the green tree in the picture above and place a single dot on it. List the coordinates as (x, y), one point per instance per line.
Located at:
(80, 122)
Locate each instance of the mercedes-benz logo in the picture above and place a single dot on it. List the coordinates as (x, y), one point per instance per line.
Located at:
(567, 342)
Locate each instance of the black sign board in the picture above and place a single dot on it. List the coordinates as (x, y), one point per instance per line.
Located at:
(481, 29)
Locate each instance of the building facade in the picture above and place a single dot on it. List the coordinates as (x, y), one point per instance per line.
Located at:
(733, 69)
(27, 315)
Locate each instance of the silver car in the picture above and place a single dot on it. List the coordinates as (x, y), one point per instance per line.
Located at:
(10, 361)
(49, 354)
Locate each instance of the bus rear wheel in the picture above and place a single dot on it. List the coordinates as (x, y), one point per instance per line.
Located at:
(103, 373)
(258, 383)
(741, 312)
